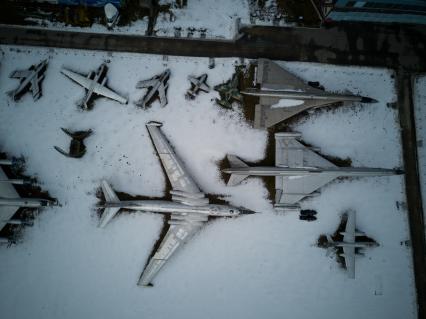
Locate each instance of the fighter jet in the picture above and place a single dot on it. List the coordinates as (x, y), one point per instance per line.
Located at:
(299, 171)
(94, 83)
(157, 84)
(197, 84)
(30, 80)
(283, 95)
(349, 243)
(10, 201)
(229, 92)
(189, 209)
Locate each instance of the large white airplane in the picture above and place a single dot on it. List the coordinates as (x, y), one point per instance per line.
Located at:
(189, 209)
(299, 171)
(10, 201)
(157, 84)
(94, 83)
(277, 84)
(349, 244)
(30, 80)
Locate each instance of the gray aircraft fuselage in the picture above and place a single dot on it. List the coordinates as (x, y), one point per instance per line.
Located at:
(289, 171)
(164, 206)
(27, 81)
(26, 202)
(285, 94)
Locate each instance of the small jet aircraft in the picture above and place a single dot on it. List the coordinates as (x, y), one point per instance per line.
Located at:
(157, 84)
(94, 83)
(229, 92)
(299, 171)
(197, 84)
(277, 84)
(349, 243)
(189, 209)
(11, 202)
(30, 80)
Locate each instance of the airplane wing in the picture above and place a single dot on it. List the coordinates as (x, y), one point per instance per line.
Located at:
(180, 231)
(104, 91)
(289, 152)
(98, 89)
(20, 74)
(349, 255)
(146, 83)
(79, 79)
(182, 182)
(6, 191)
(35, 86)
(349, 236)
(204, 87)
(162, 95)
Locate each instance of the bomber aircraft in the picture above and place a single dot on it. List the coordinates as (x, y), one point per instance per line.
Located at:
(189, 209)
(283, 95)
(94, 83)
(299, 171)
(157, 84)
(30, 80)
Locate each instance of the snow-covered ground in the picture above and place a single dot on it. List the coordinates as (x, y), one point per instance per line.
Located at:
(420, 117)
(261, 265)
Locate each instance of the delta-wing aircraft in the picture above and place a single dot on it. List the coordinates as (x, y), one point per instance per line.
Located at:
(197, 84)
(157, 84)
(349, 243)
(278, 85)
(10, 201)
(189, 209)
(30, 80)
(299, 171)
(94, 83)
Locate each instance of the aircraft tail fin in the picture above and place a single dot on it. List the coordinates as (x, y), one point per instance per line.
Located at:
(110, 197)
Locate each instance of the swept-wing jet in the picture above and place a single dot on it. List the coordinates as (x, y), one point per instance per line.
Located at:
(229, 92)
(10, 201)
(349, 244)
(283, 95)
(30, 80)
(299, 171)
(157, 84)
(197, 84)
(189, 209)
(94, 83)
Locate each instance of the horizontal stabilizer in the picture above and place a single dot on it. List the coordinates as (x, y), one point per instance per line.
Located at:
(110, 197)
(236, 179)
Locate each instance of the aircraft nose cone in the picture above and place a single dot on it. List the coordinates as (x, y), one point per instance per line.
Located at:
(247, 211)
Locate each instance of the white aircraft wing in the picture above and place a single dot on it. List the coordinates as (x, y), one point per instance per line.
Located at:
(181, 230)
(349, 235)
(6, 191)
(193, 80)
(289, 152)
(176, 172)
(35, 86)
(20, 74)
(204, 87)
(97, 88)
(162, 95)
(349, 255)
(104, 91)
(146, 83)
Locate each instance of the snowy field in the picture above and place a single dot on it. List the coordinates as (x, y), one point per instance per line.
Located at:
(420, 117)
(261, 265)
(217, 17)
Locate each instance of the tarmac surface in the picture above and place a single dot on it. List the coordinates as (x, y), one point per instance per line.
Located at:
(398, 47)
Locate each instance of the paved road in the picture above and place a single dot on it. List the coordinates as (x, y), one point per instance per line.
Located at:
(353, 44)
(400, 48)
